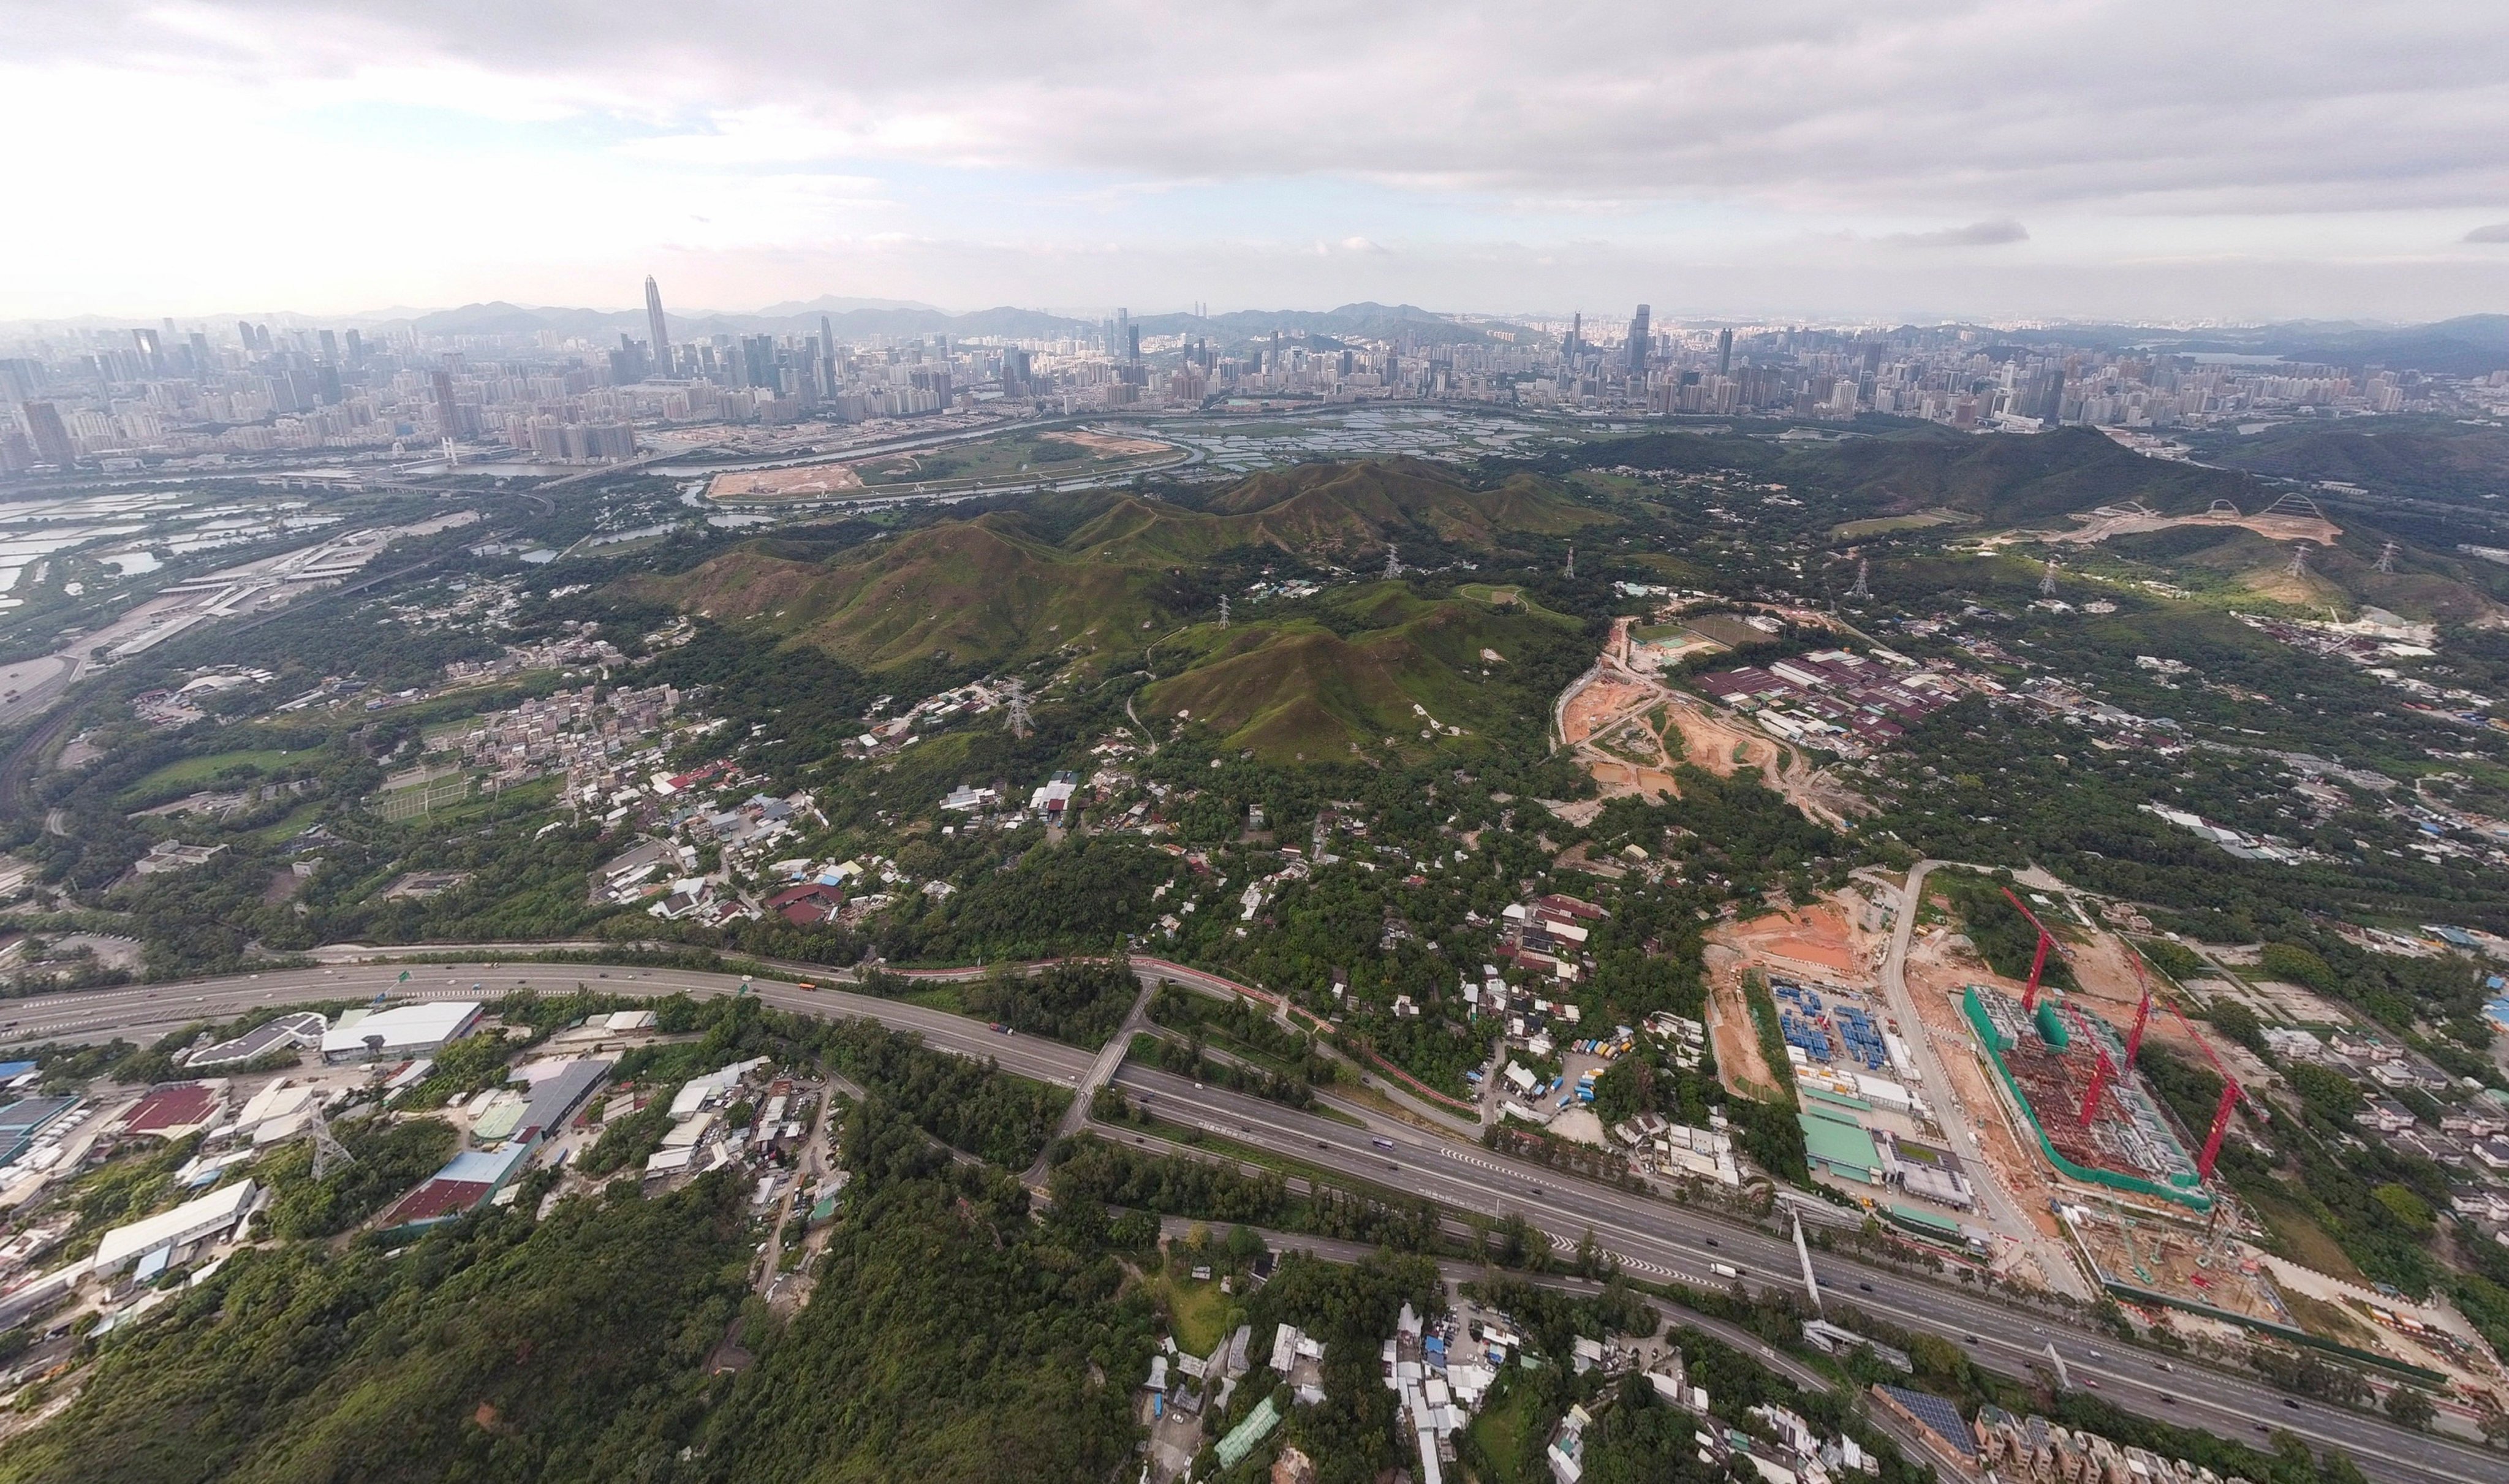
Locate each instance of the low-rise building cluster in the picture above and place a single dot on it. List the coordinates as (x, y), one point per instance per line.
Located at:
(575, 732)
(2032, 1450)
(1845, 702)
(583, 648)
(704, 1133)
(1545, 936)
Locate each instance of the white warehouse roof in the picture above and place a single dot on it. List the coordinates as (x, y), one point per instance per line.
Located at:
(405, 1029)
(190, 1221)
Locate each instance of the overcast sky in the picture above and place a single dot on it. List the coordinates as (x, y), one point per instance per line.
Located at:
(1806, 159)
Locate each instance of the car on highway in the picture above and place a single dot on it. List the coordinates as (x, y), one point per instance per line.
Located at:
(999, 1029)
(2286, 1401)
(1382, 1143)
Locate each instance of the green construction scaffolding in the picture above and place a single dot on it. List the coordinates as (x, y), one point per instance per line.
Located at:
(1997, 1043)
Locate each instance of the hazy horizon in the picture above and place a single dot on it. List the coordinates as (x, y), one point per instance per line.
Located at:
(1603, 321)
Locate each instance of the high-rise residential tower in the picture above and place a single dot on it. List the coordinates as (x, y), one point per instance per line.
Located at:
(661, 350)
(1638, 343)
(1724, 352)
(46, 431)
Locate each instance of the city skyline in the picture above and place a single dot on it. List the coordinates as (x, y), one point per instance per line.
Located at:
(1994, 161)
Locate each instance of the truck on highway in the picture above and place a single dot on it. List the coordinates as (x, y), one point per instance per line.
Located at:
(1724, 1270)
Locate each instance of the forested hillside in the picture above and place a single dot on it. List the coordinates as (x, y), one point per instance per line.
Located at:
(1087, 575)
(502, 1348)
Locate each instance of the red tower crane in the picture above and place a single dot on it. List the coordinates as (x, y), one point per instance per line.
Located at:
(2101, 1072)
(2231, 1092)
(2037, 960)
(2142, 1011)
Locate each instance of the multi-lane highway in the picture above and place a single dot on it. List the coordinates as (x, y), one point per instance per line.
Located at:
(1653, 1237)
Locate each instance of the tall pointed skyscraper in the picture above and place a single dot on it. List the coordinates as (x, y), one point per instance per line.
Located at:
(661, 361)
(1638, 344)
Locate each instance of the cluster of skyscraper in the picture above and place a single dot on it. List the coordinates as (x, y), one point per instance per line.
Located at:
(170, 397)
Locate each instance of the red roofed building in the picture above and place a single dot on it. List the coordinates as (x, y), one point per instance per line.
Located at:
(807, 905)
(175, 1109)
(470, 1179)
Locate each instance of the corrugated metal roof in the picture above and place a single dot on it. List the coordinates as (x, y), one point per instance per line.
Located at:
(555, 1098)
(1832, 1142)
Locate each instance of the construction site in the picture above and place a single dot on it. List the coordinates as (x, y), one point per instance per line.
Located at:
(2134, 1255)
(2070, 1077)
(2292, 517)
(2095, 1125)
(2040, 1095)
(1629, 730)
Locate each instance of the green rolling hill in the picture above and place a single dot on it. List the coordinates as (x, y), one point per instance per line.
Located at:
(1380, 662)
(2022, 480)
(1085, 577)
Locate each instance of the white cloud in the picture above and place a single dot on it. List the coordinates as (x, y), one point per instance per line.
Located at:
(310, 147)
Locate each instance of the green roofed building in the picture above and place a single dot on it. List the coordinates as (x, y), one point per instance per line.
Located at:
(1841, 1147)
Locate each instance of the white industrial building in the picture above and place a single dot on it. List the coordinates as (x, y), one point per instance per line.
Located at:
(170, 1230)
(403, 1031)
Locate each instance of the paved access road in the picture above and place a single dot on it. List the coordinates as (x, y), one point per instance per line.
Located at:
(1652, 1238)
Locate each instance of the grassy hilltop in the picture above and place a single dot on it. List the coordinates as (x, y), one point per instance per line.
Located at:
(1100, 581)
